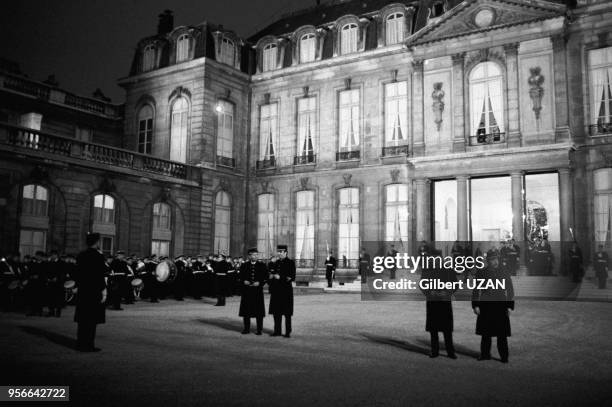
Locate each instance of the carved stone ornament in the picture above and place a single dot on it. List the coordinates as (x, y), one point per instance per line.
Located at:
(347, 84)
(266, 98)
(306, 89)
(347, 179)
(264, 186)
(394, 75)
(165, 194)
(304, 182)
(395, 175)
(107, 185)
(179, 91)
(438, 104)
(536, 91)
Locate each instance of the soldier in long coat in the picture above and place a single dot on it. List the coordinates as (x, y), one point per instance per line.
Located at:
(91, 293)
(439, 309)
(601, 264)
(253, 276)
(281, 291)
(330, 268)
(55, 278)
(492, 306)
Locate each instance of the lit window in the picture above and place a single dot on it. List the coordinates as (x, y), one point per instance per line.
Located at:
(304, 225)
(603, 206)
(307, 48)
(348, 224)
(35, 200)
(349, 127)
(178, 130)
(32, 241)
(269, 57)
(348, 36)
(225, 129)
(161, 216)
(600, 66)
(268, 131)
(395, 28)
(222, 223)
(104, 209)
(307, 133)
(148, 58)
(227, 52)
(486, 97)
(396, 113)
(182, 48)
(396, 215)
(160, 248)
(145, 129)
(265, 225)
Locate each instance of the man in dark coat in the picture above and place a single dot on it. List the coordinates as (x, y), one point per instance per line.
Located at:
(253, 276)
(119, 282)
(35, 288)
(221, 267)
(575, 263)
(55, 278)
(330, 268)
(601, 264)
(91, 293)
(439, 309)
(492, 306)
(281, 291)
(178, 286)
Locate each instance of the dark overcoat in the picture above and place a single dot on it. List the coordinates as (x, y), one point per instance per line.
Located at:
(252, 299)
(330, 267)
(281, 290)
(494, 304)
(90, 284)
(438, 305)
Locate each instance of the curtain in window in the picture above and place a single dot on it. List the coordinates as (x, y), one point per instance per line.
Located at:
(265, 225)
(222, 223)
(348, 39)
(182, 48)
(304, 225)
(307, 48)
(497, 108)
(348, 228)
(603, 203)
(145, 129)
(395, 28)
(349, 119)
(306, 127)
(178, 131)
(479, 93)
(396, 214)
(396, 113)
(225, 129)
(267, 136)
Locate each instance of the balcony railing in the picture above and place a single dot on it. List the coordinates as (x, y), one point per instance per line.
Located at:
(304, 159)
(25, 86)
(226, 161)
(489, 138)
(265, 164)
(348, 263)
(304, 263)
(394, 151)
(348, 155)
(34, 140)
(600, 129)
(84, 103)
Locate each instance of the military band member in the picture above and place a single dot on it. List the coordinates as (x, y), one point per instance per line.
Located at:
(55, 278)
(221, 268)
(35, 287)
(575, 263)
(197, 277)
(151, 283)
(91, 294)
(119, 283)
(330, 268)
(601, 263)
(281, 281)
(178, 285)
(253, 276)
(492, 307)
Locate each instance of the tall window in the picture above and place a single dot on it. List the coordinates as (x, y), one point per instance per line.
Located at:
(222, 222)
(348, 39)
(396, 215)
(307, 109)
(178, 130)
(308, 44)
(395, 28)
(227, 52)
(445, 214)
(396, 113)
(182, 48)
(161, 216)
(304, 225)
(225, 129)
(31, 241)
(486, 96)
(265, 225)
(107, 245)
(268, 131)
(349, 120)
(600, 65)
(603, 206)
(148, 58)
(35, 200)
(160, 248)
(104, 209)
(348, 224)
(269, 57)
(145, 129)
(162, 229)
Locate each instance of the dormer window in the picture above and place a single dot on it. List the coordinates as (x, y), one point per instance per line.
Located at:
(437, 9)
(227, 52)
(307, 48)
(182, 48)
(269, 57)
(395, 28)
(348, 37)
(148, 58)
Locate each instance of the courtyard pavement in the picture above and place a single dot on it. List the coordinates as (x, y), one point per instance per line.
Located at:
(343, 352)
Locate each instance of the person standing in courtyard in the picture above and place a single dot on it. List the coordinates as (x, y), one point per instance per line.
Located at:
(364, 265)
(330, 268)
(253, 276)
(601, 264)
(91, 293)
(575, 263)
(281, 291)
(492, 307)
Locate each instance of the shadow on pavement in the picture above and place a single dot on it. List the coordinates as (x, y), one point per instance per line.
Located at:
(398, 344)
(231, 325)
(54, 337)
(459, 349)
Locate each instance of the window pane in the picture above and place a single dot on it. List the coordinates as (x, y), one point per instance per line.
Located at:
(491, 210)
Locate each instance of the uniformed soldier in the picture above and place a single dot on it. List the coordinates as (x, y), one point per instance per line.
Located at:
(55, 278)
(91, 294)
(253, 276)
(492, 307)
(601, 264)
(330, 268)
(575, 263)
(197, 277)
(119, 283)
(35, 285)
(364, 265)
(281, 281)
(221, 268)
(178, 286)
(151, 283)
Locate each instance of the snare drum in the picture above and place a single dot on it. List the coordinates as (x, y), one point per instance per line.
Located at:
(137, 283)
(165, 271)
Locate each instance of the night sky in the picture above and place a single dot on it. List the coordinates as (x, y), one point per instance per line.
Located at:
(90, 43)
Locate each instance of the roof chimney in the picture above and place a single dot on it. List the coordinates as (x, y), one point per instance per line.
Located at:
(166, 22)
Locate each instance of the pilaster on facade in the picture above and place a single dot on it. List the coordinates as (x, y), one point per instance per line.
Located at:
(514, 133)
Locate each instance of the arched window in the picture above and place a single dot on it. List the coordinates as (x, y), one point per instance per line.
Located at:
(269, 57)
(162, 229)
(307, 48)
(487, 102)
(178, 130)
(348, 37)
(227, 52)
(145, 129)
(148, 58)
(225, 129)
(304, 225)
(396, 215)
(265, 225)
(104, 209)
(395, 28)
(35, 200)
(348, 225)
(222, 222)
(603, 206)
(182, 48)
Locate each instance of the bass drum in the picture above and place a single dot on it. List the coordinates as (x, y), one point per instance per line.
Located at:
(165, 271)
(69, 291)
